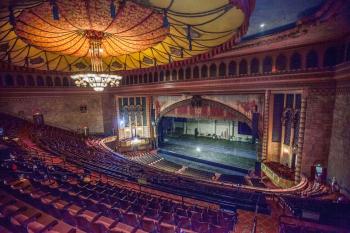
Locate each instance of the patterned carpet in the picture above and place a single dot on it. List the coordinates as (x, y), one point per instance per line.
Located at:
(266, 223)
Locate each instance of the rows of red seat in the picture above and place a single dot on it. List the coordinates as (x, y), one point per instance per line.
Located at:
(74, 149)
(100, 207)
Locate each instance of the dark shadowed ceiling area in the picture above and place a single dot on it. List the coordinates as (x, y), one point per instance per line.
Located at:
(274, 14)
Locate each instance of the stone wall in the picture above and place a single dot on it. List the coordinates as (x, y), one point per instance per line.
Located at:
(63, 111)
(339, 155)
(318, 128)
(109, 113)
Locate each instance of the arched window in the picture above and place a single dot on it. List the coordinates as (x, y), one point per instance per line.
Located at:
(196, 72)
(254, 66)
(311, 59)
(20, 81)
(212, 70)
(1, 82)
(281, 62)
(188, 73)
(161, 76)
(330, 57)
(127, 80)
(150, 78)
(155, 77)
(49, 81)
(40, 81)
(204, 71)
(167, 75)
(9, 81)
(58, 82)
(222, 69)
(174, 75)
(232, 68)
(243, 67)
(145, 80)
(181, 74)
(30, 81)
(267, 64)
(295, 61)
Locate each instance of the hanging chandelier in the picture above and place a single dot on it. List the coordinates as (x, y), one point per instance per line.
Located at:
(96, 79)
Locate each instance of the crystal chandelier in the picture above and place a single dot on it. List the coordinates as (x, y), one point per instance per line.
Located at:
(96, 79)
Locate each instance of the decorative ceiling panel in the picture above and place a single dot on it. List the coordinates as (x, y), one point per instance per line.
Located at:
(57, 34)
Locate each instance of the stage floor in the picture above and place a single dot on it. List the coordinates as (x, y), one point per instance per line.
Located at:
(235, 154)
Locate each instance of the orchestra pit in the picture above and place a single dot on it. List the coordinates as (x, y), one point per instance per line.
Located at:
(174, 116)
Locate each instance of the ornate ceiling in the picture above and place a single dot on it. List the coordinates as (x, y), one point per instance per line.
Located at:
(57, 34)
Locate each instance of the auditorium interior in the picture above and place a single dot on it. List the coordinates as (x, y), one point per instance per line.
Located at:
(175, 116)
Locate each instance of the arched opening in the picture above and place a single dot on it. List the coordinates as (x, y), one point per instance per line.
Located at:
(58, 82)
(204, 71)
(145, 79)
(196, 72)
(40, 81)
(188, 73)
(65, 82)
(295, 61)
(155, 78)
(49, 81)
(267, 64)
(181, 74)
(330, 57)
(30, 81)
(212, 70)
(188, 127)
(140, 78)
(167, 75)
(243, 67)
(254, 66)
(9, 81)
(222, 69)
(312, 59)
(20, 81)
(150, 78)
(232, 68)
(174, 75)
(161, 76)
(281, 62)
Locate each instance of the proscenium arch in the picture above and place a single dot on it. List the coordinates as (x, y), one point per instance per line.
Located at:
(241, 117)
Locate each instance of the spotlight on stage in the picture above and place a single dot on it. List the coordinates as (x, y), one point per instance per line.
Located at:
(135, 141)
(121, 122)
(198, 149)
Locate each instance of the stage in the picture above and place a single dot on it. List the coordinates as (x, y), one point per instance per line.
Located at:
(217, 153)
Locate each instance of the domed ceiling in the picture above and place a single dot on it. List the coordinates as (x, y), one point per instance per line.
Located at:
(58, 34)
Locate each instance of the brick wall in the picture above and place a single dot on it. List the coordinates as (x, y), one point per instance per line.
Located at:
(318, 128)
(339, 155)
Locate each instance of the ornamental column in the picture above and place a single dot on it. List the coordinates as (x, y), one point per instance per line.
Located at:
(299, 155)
(265, 125)
(149, 120)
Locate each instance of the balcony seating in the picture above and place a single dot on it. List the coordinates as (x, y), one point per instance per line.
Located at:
(67, 200)
(94, 163)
